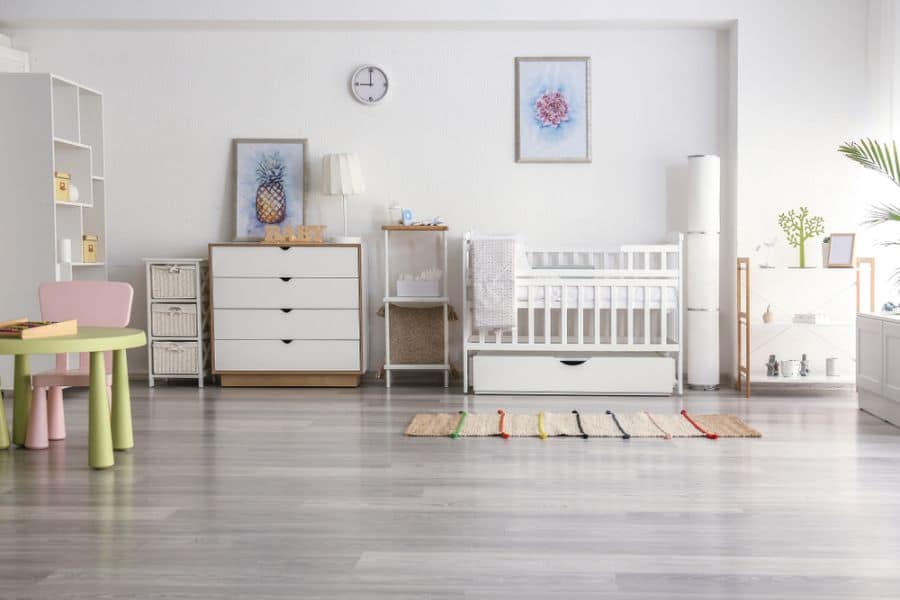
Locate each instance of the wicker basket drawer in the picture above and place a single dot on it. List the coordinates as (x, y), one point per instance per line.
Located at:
(173, 281)
(176, 358)
(174, 320)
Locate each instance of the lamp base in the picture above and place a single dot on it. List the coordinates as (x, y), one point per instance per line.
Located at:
(346, 239)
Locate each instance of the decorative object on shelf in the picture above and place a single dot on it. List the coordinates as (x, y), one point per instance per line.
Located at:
(702, 285)
(432, 222)
(765, 251)
(342, 175)
(395, 213)
(826, 248)
(61, 183)
(23, 329)
(769, 315)
(811, 319)
(270, 182)
(799, 226)
(804, 366)
(553, 109)
(406, 217)
(369, 84)
(64, 250)
(89, 248)
(74, 194)
(841, 250)
(426, 284)
(833, 366)
(302, 233)
(790, 368)
(772, 367)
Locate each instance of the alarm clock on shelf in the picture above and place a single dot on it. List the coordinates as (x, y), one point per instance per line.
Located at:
(369, 84)
(407, 217)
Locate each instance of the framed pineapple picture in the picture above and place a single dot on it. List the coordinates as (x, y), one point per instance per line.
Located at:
(270, 183)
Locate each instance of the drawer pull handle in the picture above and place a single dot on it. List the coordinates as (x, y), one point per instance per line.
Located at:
(285, 279)
(286, 341)
(175, 309)
(285, 248)
(286, 310)
(573, 363)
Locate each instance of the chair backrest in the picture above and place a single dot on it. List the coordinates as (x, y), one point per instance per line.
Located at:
(92, 303)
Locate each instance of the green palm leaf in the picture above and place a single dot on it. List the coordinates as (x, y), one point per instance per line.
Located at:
(875, 156)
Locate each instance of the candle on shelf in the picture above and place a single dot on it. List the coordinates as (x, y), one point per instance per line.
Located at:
(65, 250)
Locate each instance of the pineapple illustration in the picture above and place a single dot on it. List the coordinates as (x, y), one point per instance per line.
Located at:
(271, 201)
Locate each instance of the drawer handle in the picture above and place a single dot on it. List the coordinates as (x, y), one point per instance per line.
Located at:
(175, 309)
(286, 310)
(573, 363)
(286, 341)
(285, 248)
(285, 279)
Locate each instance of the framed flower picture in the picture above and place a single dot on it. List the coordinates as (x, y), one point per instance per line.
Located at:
(270, 176)
(553, 109)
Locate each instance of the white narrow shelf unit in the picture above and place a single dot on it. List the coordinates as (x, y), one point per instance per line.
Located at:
(177, 319)
(48, 124)
(837, 293)
(419, 302)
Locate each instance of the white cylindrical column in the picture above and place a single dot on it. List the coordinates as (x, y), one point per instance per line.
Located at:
(702, 283)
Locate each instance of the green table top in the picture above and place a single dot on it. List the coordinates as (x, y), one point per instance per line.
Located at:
(88, 339)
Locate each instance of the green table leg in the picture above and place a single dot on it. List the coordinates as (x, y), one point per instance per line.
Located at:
(4, 428)
(100, 447)
(21, 398)
(122, 435)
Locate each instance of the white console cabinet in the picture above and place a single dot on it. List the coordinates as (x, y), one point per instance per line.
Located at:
(878, 365)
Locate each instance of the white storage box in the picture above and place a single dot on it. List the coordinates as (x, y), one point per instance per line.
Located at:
(418, 289)
(612, 375)
(173, 281)
(174, 320)
(176, 358)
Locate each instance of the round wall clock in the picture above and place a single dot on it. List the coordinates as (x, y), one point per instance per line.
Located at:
(369, 84)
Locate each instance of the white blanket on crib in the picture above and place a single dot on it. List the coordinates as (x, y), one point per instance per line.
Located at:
(494, 283)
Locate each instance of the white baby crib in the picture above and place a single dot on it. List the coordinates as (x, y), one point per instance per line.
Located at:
(589, 321)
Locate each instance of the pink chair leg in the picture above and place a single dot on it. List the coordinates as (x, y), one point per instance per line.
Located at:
(36, 438)
(56, 418)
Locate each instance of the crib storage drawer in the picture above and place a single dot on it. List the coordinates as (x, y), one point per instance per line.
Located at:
(517, 373)
(175, 358)
(173, 320)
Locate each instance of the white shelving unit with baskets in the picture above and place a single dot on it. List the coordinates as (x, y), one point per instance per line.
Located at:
(177, 319)
(48, 124)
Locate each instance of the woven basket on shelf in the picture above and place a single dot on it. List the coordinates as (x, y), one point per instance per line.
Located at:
(173, 281)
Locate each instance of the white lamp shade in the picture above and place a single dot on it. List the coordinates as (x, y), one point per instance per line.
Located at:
(341, 174)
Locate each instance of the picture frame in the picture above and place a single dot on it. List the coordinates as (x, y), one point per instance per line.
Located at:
(553, 109)
(271, 177)
(841, 251)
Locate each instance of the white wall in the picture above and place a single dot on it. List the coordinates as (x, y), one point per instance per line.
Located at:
(775, 98)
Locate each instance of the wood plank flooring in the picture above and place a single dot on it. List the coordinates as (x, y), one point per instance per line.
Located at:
(283, 493)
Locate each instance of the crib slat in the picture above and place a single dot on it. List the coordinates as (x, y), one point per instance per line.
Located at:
(662, 315)
(646, 261)
(580, 320)
(480, 335)
(630, 314)
(498, 336)
(647, 314)
(547, 301)
(596, 314)
(613, 329)
(563, 315)
(530, 314)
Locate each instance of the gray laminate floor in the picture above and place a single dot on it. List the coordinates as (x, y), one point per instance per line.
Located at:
(317, 494)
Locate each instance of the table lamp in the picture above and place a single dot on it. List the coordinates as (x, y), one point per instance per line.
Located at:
(341, 175)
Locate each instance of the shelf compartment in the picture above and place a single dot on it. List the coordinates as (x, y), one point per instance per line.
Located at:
(65, 109)
(75, 159)
(91, 126)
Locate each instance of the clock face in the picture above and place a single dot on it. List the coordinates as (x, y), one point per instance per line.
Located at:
(369, 84)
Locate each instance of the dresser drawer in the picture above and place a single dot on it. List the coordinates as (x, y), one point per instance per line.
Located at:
(298, 355)
(294, 261)
(273, 324)
(234, 292)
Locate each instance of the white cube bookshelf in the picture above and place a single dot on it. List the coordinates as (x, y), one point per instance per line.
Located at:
(48, 124)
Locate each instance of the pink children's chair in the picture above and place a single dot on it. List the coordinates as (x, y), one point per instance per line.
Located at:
(93, 304)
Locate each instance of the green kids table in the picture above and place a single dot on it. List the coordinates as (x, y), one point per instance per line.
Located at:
(106, 431)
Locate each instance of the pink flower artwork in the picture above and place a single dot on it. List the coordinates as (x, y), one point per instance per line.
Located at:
(551, 109)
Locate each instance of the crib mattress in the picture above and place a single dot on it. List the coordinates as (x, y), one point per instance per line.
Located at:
(637, 297)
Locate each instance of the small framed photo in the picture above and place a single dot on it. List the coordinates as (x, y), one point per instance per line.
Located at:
(841, 250)
(270, 184)
(553, 109)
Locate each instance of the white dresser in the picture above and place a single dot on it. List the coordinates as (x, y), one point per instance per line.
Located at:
(878, 365)
(287, 315)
